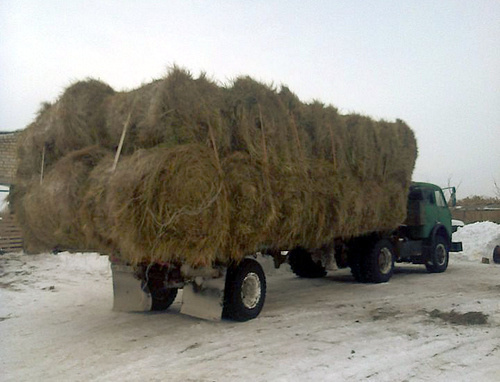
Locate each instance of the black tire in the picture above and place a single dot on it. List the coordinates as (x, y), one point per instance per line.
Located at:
(496, 255)
(162, 298)
(356, 251)
(245, 291)
(438, 256)
(302, 264)
(377, 265)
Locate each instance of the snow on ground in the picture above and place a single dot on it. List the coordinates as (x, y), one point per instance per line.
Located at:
(56, 324)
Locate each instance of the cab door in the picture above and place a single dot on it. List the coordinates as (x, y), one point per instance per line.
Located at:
(436, 211)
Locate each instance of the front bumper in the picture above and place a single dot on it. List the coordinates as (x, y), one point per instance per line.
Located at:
(456, 246)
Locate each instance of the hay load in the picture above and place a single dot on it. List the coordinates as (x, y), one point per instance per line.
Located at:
(48, 210)
(206, 173)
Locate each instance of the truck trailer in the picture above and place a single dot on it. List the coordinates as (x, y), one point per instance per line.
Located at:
(237, 291)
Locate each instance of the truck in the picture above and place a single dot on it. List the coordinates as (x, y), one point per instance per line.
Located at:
(237, 291)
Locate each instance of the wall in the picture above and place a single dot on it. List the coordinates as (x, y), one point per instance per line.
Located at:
(472, 215)
(8, 156)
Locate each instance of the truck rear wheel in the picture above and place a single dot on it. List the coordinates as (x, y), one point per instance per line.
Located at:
(303, 265)
(161, 297)
(377, 266)
(437, 260)
(356, 251)
(370, 260)
(245, 291)
(496, 255)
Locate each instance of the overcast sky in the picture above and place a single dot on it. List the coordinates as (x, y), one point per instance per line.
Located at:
(434, 64)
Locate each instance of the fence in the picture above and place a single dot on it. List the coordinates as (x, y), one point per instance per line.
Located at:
(11, 239)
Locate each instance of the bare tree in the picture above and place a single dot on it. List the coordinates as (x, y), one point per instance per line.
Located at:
(450, 182)
(497, 189)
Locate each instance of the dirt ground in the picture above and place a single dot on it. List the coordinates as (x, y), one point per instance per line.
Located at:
(56, 323)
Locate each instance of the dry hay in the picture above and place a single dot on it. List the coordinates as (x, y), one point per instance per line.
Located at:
(169, 204)
(74, 122)
(48, 210)
(259, 121)
(176, 110)
(94, 212)
(209, 173)
(252, 210)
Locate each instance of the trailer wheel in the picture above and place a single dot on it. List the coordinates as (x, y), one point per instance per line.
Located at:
(302, 264)
(438, 257)
(377, 266)
(162, 298)
(355, 266)
(496, 255)
(245, 291)
(357, 248)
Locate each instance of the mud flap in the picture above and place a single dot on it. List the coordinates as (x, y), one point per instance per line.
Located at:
(204, 298)
(128, 294)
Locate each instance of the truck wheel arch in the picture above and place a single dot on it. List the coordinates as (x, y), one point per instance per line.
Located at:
(440, 230)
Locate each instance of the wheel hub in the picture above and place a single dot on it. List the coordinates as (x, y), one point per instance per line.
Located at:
(250, 290)
(440, 254)
(385, 261)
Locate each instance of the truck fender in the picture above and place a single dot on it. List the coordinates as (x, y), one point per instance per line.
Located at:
(439, 230)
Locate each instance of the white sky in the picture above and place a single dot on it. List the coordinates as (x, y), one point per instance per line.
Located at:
(434, 64)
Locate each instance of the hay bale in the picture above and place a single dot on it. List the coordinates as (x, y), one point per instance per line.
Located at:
(260, 122)
(48, 210)
(169, 204)
(94, 214)
(75, 121)
(176, 110)
(251, 206)
(132, 108)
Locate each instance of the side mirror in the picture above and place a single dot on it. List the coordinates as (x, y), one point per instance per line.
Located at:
(453, 197)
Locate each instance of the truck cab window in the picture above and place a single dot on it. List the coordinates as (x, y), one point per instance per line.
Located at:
(440, 202)
(415, 194)
(428, 197)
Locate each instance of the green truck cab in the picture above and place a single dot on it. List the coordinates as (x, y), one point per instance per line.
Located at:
(426, 235)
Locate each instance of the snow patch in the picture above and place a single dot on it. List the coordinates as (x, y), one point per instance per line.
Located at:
(478, 239)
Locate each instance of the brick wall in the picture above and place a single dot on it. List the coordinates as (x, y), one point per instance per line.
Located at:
(472, 215)
(8, 156)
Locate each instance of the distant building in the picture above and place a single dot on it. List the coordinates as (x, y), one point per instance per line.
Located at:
(8, 156)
